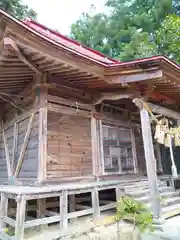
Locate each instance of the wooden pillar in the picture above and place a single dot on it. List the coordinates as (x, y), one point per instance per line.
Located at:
(3, 209)
(63, 209)
(42, 144)
(95, 204)
(41, 207)
(101, 151)
(72, 203)
(20, 218)
(43, 93)
(119, 192)
(150, 163)
(94, 144)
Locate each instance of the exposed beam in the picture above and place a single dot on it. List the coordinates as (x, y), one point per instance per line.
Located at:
(159, 109)
(154, 108)
(149, 91)
(68, 102)
(70, 91)
(9, 42)
(161, 97)
(155, 74)
(164, 111)
(130, 93)
(112, 97)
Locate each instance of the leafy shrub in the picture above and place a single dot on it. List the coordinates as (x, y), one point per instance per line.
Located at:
(134, 212)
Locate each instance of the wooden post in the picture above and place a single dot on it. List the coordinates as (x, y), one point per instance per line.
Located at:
(41, 207)
(63, 210)
(95, 204)
(72, 203)
(150, 163)
(42, 144)
(119, 192)
(94, 144)
(3, 210)
(43, 96)
(20, 218)
(101, 152)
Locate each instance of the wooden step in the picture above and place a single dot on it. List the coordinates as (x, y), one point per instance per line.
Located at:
(164, 196)
(144, 191)
(171, 211)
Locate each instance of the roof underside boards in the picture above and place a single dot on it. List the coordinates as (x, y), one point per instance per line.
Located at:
(68, 42)
(77, 69)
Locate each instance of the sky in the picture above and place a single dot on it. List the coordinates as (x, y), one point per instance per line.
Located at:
(60, 14)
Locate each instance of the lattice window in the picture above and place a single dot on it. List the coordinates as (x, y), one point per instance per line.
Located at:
(117, 149)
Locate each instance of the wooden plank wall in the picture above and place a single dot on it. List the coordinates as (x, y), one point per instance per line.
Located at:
(30, 165)
(69, 146)
(3, 165)
(29, 168)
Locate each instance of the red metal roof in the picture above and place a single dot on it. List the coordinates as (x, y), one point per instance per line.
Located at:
(68, 42)
(86, 51)
(74, 47)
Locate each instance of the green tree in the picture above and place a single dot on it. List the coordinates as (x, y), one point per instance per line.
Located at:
(166, 41)
(128, 30)
(17, 9)
(168, 37)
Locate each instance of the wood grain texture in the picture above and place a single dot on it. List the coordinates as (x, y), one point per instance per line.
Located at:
(15, 134)
(9, 170)
(69, 146)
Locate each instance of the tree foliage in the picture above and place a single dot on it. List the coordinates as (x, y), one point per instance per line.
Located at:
(129, 29)
(17, 9)
(168, 37)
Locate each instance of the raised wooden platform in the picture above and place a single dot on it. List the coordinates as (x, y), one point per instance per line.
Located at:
(66, 194)
(69, 202)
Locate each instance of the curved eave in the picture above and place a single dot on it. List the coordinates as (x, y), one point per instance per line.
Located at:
(72, 68)
(41, 37)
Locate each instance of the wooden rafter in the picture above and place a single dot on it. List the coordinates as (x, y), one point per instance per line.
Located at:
(9, 42)
(68, 59)
(9, 170)
(23, 149)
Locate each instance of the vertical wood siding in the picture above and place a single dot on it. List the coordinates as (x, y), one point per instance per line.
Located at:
(30, 164)
(29, 168)
(69, 146)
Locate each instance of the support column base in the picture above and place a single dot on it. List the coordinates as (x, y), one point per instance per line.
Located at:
(158, 223)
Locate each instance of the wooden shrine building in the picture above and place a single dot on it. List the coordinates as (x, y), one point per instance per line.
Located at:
(74, 121)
